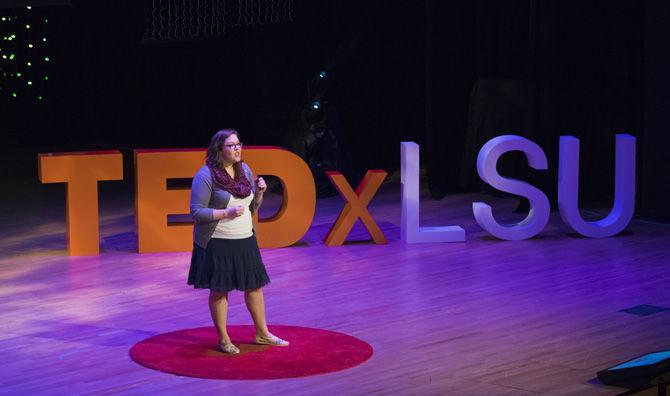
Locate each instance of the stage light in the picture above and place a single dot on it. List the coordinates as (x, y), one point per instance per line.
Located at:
(322, 74)
(316, 105)
(641, 372)
(20, 55)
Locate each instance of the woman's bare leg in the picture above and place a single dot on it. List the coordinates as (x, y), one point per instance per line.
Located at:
(256, 307)
(218, 307)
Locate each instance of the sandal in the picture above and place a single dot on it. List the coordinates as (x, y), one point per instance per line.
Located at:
(271, 340)
(228, 348)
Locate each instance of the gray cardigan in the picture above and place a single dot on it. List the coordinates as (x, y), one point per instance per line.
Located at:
(207, 196)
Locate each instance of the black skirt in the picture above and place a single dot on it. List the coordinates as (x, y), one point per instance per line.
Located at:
(228, 264)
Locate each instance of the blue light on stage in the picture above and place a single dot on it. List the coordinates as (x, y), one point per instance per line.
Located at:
(641, 372)
(316, 105)
(651, 358)
(322, 74)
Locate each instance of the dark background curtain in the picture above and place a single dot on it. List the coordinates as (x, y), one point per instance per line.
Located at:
(446, 74)
(538, 69)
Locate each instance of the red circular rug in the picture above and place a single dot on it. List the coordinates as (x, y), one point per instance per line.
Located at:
(193, 353)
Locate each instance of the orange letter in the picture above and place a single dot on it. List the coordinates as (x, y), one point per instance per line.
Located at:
(355, 207)
(154, 202)
(81, 171)
(290, 223)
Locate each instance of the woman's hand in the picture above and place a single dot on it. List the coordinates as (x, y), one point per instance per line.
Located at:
(234, 212)
(260, 185)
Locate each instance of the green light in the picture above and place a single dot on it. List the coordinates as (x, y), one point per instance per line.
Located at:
(18, 74)
(30, 46)
(11, 56)
(4, 56)
(30, 83)
(14, 94)
(46, 59)
(39, 98)
(29, 64)
(29, 7)
(4, 19)
(44, 39)
(46, 77)
(27, 26)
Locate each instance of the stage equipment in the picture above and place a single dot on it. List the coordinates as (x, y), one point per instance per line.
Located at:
(186, 20)
(33, 3)
(642, 372)
(315, 135)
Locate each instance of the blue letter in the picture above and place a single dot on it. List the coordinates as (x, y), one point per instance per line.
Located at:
(409, 222)
(539, 204)
(624, 188)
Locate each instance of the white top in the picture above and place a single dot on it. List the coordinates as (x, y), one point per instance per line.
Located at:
(239, 227)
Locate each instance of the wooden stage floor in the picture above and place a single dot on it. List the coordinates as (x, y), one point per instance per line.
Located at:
(482, 317)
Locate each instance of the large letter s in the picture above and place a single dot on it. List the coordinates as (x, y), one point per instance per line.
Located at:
(539, 204)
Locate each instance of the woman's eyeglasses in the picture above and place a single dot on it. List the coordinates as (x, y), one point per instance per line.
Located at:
(233, 145)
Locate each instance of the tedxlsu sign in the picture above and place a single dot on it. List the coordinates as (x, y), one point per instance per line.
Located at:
(154, 201)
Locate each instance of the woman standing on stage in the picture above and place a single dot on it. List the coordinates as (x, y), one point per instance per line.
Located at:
(225, 252)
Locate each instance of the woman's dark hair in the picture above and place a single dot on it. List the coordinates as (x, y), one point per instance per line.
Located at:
(214, 155)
